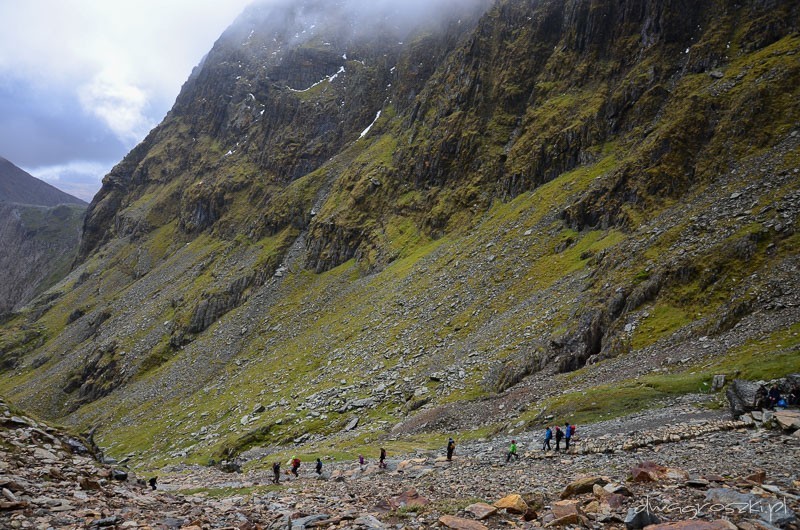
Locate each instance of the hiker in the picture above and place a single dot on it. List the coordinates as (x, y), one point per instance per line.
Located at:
(295, 466)
(318, 467)
(567, 435)
(774, 396)
(276, 471)
(361, 461)
(512, 451)
(382, 461)
(152, 482)
(548, 435)
(761, 399)
(451, 447)
(559, 436)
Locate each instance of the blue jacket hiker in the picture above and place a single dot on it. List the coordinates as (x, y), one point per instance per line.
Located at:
(548, 435)
(567, 435)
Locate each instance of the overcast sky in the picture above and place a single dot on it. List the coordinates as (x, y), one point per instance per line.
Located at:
(83, 81)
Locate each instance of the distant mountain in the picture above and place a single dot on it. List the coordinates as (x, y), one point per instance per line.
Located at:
(40, 231)
(20, 187)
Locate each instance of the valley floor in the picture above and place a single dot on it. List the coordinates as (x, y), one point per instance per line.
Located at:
(716, 469)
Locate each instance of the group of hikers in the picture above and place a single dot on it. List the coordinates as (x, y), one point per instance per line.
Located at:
(772, 398)
(560, 435)
(556, 432)
(294, 466)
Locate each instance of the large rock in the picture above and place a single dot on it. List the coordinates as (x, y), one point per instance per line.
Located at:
(639, 517)
(741, 396)
(583, 485)
(564, 508)
(481, 510)
(459, 523)
(513, 503)
(788, 419)
(570, 519)
(647, 472)
(407, 499)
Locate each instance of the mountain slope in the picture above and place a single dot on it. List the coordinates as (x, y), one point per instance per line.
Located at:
(40, 229)
(18, 186)
(579, 206)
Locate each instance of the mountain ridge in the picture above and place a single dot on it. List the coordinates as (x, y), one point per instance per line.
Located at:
(20, 187)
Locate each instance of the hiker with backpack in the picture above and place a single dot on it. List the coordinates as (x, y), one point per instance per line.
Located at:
(559, 436)
(276, 471)
(382, 460)
(451, 447)
(318, 467)
(295, 466)
(568, 430)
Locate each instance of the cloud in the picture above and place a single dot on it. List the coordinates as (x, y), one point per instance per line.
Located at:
(120, 104)
(85, 80)
(80, 178)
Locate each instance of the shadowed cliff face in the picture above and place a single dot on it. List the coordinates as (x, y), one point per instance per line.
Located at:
(39, 246)
(454, 207)
(39, 234)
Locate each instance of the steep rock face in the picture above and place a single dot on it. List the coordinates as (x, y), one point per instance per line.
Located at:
(39, 247)
(385, 222)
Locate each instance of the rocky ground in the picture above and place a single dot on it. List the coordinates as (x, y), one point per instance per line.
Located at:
(680, 465)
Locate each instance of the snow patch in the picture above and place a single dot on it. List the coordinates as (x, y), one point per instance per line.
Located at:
(329, 79)
(365, 131)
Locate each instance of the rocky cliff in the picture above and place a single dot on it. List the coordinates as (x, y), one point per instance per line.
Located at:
(40, 229)
(352, 228)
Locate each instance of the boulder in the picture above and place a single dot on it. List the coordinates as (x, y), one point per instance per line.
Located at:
(741, 396)
(408, 498)
(583, 485)
(570, 519)
(647, 472)
(788, 419)
(718, 382)
(481, 510)
(513, 503)
(564, 508)
(459, 523)
(619, 489)
(638, 518)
